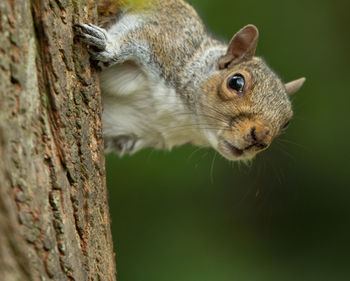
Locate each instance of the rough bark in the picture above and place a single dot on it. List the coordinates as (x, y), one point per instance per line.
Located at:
(54, 217)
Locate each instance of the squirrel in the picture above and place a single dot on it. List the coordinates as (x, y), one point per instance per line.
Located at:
(166, 82)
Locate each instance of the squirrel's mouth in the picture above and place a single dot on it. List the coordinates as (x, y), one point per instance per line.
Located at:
(232, 152)
(233, 149)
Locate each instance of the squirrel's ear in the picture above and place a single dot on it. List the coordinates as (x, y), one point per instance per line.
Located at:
(294, 86)
(242, 46)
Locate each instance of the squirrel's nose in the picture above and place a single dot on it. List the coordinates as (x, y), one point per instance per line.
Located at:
(258, 136)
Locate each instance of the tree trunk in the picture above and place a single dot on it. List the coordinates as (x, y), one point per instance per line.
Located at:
(54, 217)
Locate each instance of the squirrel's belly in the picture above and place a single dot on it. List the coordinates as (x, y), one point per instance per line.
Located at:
(141, 105)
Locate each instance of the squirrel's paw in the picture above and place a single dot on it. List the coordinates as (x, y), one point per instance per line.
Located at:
(97, 37)
(122, 143)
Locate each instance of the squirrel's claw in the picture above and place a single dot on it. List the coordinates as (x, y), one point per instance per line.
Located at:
(97, 37)
(92, 30)
(92, 35)
(93, 41)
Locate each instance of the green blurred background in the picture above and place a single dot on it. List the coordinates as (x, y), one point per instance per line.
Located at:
(190, 215)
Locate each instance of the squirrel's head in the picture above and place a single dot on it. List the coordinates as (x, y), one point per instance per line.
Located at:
(246, 105)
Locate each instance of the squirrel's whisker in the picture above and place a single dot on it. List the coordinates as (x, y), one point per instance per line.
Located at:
(166, 82)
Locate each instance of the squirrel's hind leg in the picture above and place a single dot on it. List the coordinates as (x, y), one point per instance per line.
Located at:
(121, 143)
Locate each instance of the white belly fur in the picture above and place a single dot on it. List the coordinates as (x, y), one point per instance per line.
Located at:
(141, 105)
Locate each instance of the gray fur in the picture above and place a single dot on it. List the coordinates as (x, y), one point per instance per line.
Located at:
(163, 71)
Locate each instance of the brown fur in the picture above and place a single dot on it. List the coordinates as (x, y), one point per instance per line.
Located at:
(107, 11)
(263, 106)
(172, 41)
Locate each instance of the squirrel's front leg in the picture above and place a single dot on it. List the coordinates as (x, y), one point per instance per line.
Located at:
(105, 49)
(112, 48)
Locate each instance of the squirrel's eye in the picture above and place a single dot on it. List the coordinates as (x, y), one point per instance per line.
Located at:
(236, 82)
(285, 126)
